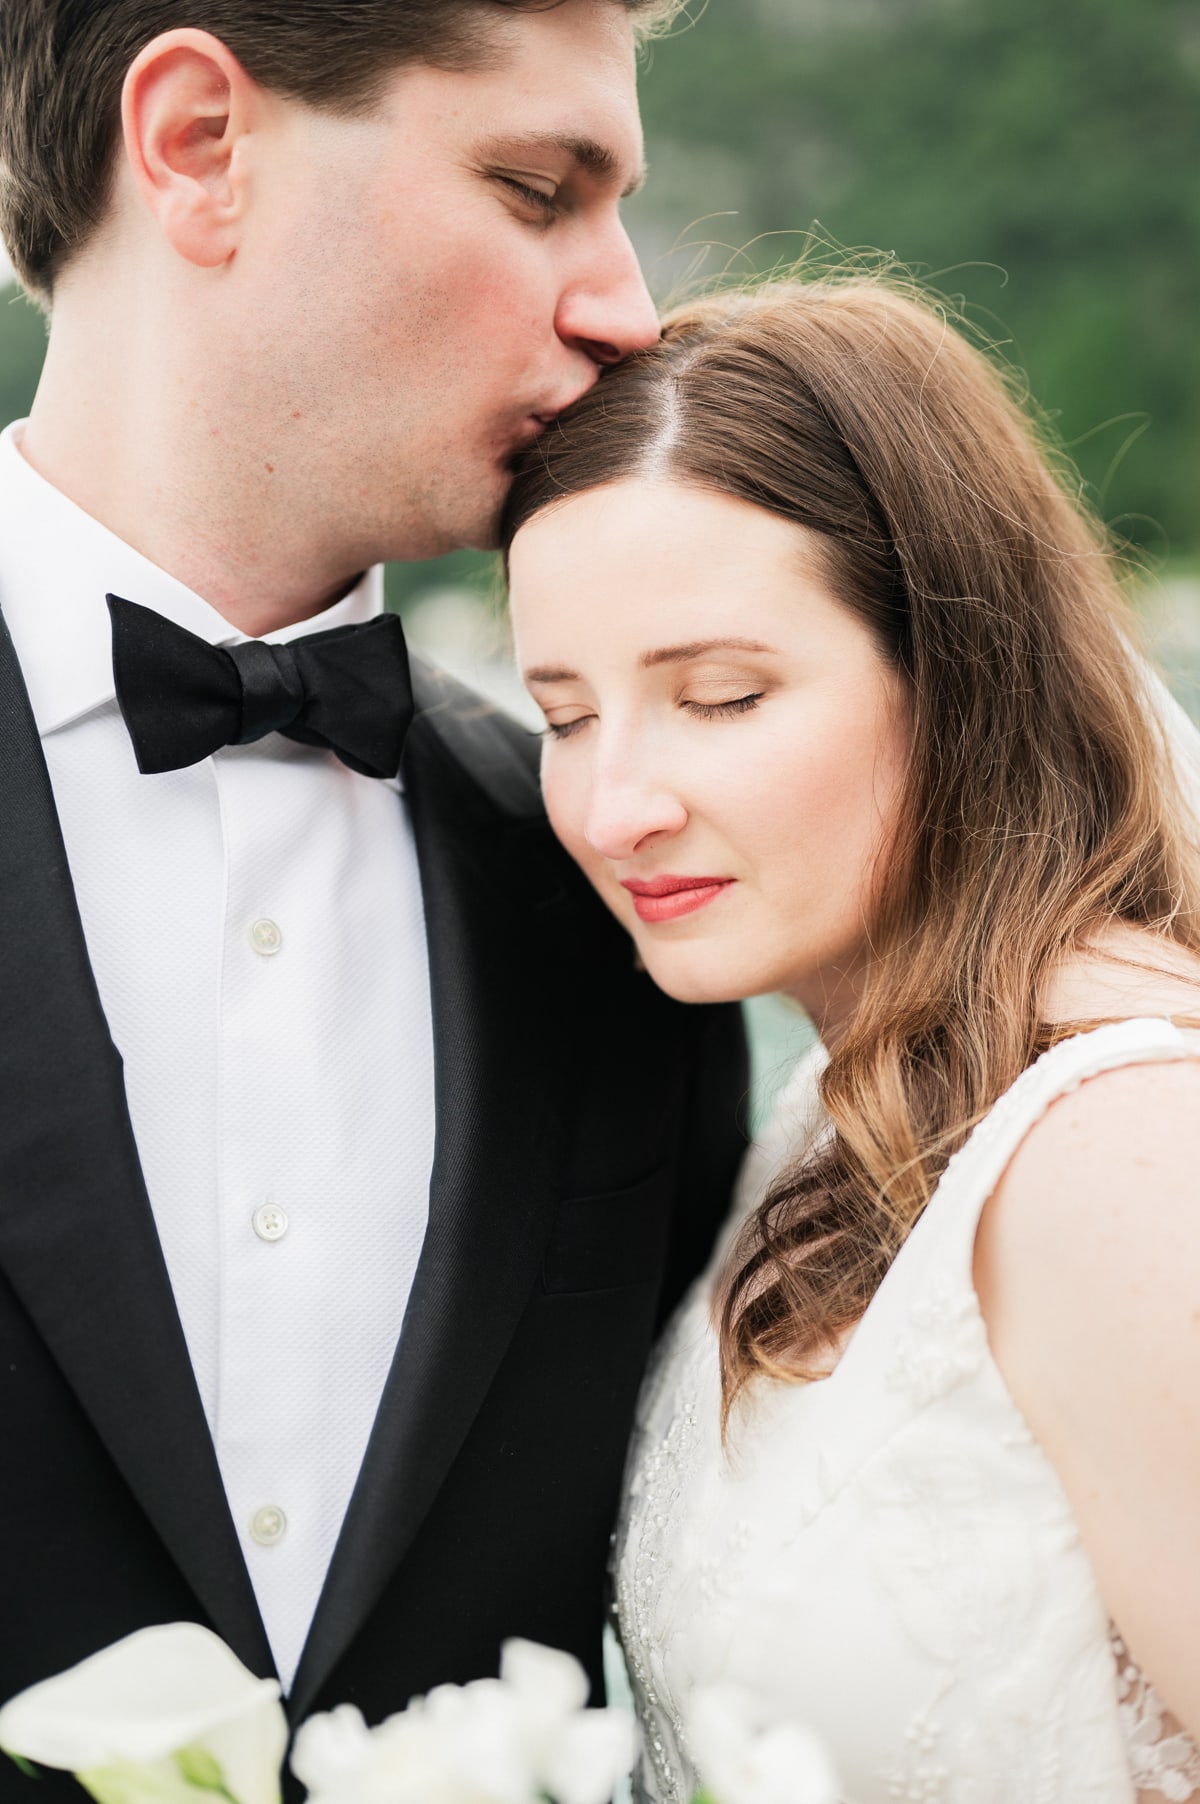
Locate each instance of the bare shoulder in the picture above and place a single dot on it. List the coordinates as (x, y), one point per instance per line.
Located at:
(1125, 971)
(1102, 1143)
(1087, 1267)
(1123, 1147)
(1089, 1248)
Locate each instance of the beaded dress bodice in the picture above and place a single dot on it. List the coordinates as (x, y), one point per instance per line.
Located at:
(888, 1556)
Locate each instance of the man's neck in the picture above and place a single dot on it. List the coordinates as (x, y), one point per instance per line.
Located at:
(222, 519)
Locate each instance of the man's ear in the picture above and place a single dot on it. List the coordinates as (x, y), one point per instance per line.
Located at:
(186, 108)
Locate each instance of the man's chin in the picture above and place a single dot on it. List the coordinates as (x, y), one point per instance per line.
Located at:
(486, 537)
(472, 522)
(419, 541)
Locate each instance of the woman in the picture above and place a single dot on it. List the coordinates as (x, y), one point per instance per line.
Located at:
(840, 701)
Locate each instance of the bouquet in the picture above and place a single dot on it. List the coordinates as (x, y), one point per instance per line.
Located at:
(170, 1716)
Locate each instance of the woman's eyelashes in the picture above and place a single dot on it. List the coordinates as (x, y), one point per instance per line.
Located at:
(563, 729)
(739, 704)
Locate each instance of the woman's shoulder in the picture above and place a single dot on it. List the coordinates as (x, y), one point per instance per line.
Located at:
(1087, 1269)
(1119, 1113)
(1114, 1114)
(1117, 1146)
(1122, 972)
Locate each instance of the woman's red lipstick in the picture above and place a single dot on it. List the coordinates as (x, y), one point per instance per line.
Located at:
(669, 898)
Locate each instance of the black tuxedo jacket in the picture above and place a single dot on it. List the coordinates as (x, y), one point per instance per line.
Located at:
(588, 1132)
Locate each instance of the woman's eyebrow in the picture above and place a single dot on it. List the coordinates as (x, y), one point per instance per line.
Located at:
(666, 654)
(696, 648)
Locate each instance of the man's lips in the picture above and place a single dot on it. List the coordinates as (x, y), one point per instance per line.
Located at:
(529, 432)
(535, 422)
(669, 898)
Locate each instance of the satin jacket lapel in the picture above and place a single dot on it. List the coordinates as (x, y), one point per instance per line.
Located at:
(77, 1236)
(494, 1182)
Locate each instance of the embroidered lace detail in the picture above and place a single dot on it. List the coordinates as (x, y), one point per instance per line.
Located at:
(890, 1557)
(947, 1345)
(923, 1777)
(1162, 1760)
(659, 1468)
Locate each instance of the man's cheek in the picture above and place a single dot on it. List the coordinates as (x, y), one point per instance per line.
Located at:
(501, 291)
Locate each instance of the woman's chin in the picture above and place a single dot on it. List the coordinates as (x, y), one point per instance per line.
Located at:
(691, 984)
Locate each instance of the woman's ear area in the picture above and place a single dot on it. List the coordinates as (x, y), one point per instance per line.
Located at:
(186, 110)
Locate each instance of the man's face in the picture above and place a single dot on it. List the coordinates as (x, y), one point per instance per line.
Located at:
(433, 283)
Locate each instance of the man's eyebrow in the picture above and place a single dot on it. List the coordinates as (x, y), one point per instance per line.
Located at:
(588, 154)
(667, 654)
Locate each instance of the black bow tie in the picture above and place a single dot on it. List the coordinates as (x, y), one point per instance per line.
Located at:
(182, 699)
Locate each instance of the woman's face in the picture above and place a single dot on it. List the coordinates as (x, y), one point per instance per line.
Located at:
(726, 742)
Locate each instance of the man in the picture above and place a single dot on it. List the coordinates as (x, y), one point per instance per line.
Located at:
(347, 1164)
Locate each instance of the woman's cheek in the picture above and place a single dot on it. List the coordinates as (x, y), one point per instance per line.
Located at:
(564, 793)
(554, 794)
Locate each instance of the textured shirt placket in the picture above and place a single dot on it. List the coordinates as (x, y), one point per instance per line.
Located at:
(260, 1432)
(323, 1155)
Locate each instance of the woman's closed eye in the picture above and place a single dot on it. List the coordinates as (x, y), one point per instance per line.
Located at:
(737, 704)
(563, 729)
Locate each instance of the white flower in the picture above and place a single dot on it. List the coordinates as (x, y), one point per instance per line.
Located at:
(744, 1758)
(510, 1740)
(331, 1750)
(165, 1714)
(593, 1753)
(406, 1760)
(549, 1683)
(578, 1755)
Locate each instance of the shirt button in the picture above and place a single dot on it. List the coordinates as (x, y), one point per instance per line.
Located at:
(266, 938)
(268, 1525)
(270, 1222)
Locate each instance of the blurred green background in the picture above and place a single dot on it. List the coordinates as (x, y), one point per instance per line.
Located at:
(1041, 161)
(1038, 160)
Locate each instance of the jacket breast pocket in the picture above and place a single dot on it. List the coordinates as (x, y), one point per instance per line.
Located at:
(600, 1242)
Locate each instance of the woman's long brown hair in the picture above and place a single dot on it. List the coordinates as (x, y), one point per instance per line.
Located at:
(1040, 802)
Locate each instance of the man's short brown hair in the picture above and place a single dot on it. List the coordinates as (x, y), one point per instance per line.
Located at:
(63, 64)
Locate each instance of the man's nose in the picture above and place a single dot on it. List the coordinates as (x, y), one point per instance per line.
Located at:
(607, 313)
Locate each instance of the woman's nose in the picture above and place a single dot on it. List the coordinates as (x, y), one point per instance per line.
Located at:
(624, 815)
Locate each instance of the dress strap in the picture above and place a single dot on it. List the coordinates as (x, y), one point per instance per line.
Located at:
(923, 1328)
(951, 1218)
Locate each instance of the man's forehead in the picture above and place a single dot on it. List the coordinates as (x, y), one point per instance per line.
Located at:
(564, 80)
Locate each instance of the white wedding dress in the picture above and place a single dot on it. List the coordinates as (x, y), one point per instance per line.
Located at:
(887, 1555)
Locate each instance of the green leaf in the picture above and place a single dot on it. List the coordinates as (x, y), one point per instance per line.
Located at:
(178, 1779)
(202, 1769)
(30, 1771)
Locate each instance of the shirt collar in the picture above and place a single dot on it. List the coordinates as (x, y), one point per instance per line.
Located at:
(57, 564)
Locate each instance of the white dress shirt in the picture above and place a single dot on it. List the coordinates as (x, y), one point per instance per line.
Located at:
(256, 929)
